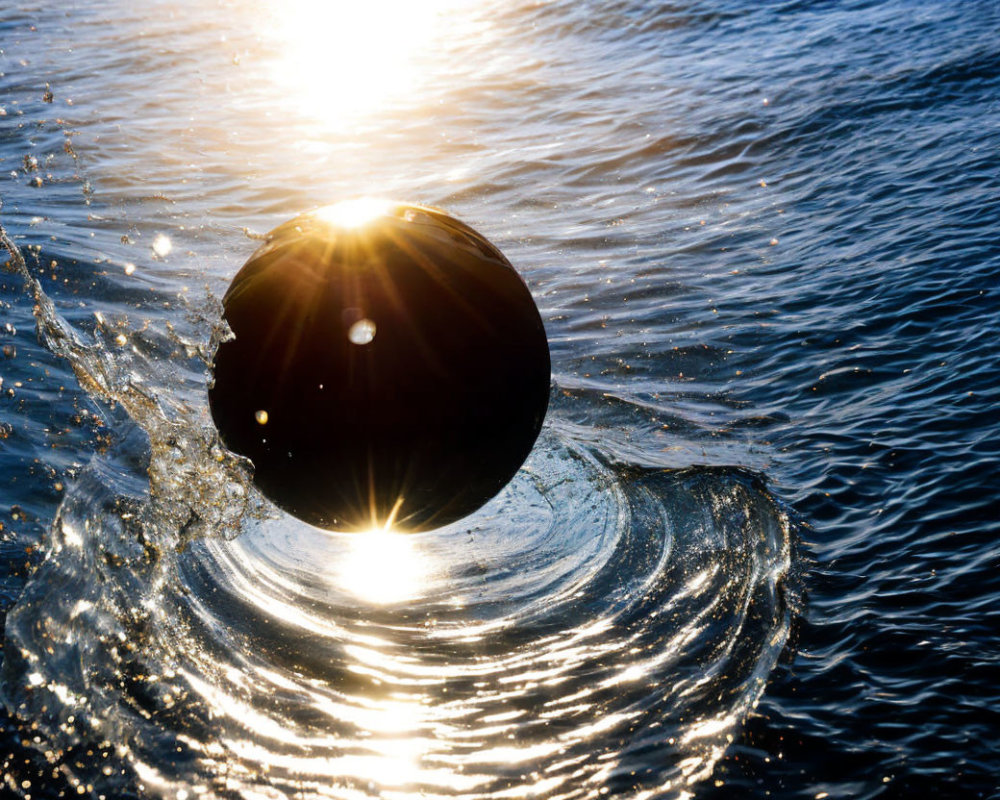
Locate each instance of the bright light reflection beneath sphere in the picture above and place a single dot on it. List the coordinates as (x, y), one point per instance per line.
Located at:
(344, 60)
(382, 567)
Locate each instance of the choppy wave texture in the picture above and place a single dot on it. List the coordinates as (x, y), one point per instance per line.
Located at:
(599, 626)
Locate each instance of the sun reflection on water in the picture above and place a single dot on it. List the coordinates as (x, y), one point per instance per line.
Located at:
(382, 567)
(344, 60)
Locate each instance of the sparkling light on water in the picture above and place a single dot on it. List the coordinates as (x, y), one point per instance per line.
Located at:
(162, 245)
(382, 567)
(342, 61)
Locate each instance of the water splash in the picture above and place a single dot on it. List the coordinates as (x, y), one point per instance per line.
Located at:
(599, 626)
(195, 484)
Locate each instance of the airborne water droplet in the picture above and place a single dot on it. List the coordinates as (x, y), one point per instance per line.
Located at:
(162, 245)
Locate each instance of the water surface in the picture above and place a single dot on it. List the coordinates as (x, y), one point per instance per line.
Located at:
(761, 237)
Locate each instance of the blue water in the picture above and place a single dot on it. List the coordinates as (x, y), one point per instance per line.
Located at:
(754, 551)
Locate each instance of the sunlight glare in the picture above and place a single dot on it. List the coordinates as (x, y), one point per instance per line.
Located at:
(382, 567)
(343, 60)
(354, 213)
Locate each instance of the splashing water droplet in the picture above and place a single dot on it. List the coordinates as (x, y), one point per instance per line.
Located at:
(162, 245)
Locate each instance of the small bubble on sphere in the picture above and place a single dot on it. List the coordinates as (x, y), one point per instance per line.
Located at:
(388, 366)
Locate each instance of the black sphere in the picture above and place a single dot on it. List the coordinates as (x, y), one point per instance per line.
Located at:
(388, 366)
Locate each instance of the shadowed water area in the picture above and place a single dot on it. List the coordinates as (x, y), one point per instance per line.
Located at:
(753, 551)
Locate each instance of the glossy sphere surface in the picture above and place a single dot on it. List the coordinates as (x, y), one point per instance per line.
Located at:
(388, 365)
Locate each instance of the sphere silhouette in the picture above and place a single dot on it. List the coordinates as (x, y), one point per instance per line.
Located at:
(388, 366)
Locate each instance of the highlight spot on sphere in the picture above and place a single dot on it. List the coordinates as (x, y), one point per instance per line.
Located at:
(361, 332)
(414, 420)
(354, 213)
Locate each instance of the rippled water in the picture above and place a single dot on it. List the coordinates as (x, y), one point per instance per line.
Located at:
(762, 239)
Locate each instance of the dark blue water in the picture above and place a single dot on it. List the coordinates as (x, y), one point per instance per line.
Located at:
(754, 552)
